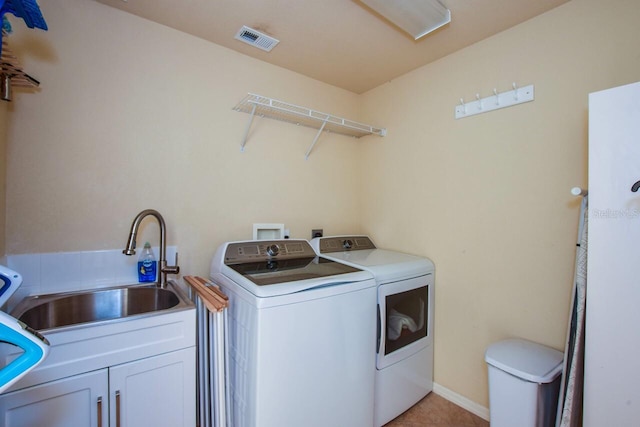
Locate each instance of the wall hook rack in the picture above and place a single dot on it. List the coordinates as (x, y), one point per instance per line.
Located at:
(283, 111)
(495, 101)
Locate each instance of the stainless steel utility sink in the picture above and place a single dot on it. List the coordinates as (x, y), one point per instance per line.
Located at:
(51, 311)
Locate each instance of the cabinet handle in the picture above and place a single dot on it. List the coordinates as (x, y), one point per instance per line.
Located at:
(100, 411)
(117, 408)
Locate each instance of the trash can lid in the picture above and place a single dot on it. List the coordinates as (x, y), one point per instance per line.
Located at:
(525, 359)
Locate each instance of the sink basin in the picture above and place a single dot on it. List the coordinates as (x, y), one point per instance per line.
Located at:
(65, 309)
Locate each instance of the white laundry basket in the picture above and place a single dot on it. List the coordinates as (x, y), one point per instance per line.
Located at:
(524, 382)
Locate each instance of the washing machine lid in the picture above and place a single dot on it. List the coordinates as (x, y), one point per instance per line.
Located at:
(273, 272)
(281, 267)
(360, 252)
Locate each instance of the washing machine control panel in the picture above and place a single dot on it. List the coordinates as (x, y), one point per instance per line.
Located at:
(260, 250)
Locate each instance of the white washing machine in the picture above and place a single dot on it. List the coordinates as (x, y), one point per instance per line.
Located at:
(404, 352)
(302, 336)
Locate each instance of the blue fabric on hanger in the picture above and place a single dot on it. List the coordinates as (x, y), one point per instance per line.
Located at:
(28, 10)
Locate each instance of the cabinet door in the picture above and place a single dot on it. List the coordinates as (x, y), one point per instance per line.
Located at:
(80, 400)
(152, 392)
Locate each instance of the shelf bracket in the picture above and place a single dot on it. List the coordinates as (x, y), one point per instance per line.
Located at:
(324, 123)
(246, 132)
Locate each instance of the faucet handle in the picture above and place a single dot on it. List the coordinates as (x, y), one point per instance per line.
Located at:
(172, 269)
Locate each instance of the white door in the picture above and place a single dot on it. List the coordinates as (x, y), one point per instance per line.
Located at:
(152, 392)
(612, 340)
(80, 400)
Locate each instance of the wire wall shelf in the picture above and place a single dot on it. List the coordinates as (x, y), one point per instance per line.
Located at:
(278, 110)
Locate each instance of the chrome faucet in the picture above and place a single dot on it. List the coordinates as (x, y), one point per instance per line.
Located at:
(131, 245)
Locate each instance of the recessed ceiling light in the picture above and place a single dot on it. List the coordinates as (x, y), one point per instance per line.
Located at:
(417, 18)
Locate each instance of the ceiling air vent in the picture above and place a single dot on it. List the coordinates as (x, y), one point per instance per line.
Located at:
(256, 38)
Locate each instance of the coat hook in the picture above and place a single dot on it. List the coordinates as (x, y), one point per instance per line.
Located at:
(495, 92)
(577, 191)
(515, 91)
(464, 107)
(479, 101)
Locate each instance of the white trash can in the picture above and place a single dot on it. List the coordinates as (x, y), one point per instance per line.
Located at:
(524, 383)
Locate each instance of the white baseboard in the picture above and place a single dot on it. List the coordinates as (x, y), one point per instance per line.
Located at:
(461, 401)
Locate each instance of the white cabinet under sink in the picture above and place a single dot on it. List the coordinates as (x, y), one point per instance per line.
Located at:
(67, 402)
(132, 373)
(155, 391)
(158, 391)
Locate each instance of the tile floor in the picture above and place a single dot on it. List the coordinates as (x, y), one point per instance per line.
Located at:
(436, 411)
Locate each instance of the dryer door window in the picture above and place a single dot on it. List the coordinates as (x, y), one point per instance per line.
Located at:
(404, 314)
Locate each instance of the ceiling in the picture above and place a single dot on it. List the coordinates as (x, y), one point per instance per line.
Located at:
(336, 41)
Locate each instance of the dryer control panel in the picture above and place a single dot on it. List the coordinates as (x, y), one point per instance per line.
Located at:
(345, 243)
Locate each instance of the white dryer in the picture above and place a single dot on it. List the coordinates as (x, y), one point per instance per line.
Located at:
(302, 336)
(404, 353)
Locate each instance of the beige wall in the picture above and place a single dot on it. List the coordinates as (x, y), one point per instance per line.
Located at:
(487, 197)
(134, 115)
